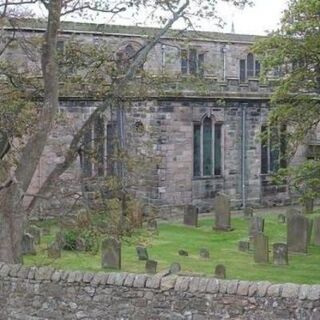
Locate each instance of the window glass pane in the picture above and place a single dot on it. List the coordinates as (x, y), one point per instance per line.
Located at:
(250, 66)
(264, 150)
(111, 137)
(196, 150)
(207, 147)
(87, 153)
(257, 68)
(184, 61)
(192, 61)
(274, 149)
(99, 138)
(217, 149)
(201, 64)
(242, 70)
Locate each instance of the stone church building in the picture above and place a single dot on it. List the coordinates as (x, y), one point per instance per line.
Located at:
(207, 137)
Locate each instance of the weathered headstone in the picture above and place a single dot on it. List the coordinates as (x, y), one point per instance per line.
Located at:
(54, 250)
(111, 253)
(35, 232)
(316, 231)
(183, 253)
(142, 253)
(151, 266)
(220, 271)
(244, 246)
(60, 239)
(152, 225)
(256, 225)
(291, 211)
(280, 254)
(248, 212)
(281, 218)
(175, 268)
(204, 253)
(308, 206)
(27, 245)
(261, 248)
(298, 233)
(222, 213)
(190, 216)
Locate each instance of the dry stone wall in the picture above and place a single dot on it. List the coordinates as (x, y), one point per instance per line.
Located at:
(45, 293)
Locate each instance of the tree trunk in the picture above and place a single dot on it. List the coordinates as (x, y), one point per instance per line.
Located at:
(11, 197)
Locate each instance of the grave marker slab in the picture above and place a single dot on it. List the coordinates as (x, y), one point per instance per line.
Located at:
(220, 271)
(298, 228)
(291, 211)
(222, 213)
(175, 268)
(244, 246)
(256, 225)
(204, 253)
(261, 248)
(54, 250)
(151, 266)
(27, 245)
(142, 253)
(280, 254)
(191, 216)
(111, 253)
(316, 231)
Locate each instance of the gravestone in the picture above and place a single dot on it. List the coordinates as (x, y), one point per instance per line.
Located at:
(291, 211)
(54, 250)
(204, 253)
(222, 213)
(316, 231)
(298, 228)
(261, 248)
(152, 225)
(308, 206)
(35, 232)
(256, 225)
(248, 212)
(111, 253)
(280, 254)
(142, 253)
(175, 268)
(244, 246)
(151, 266)
(281, 218)
(190, 216)
(183, 253)
(220, 271)
(27, 245)
(60, 239)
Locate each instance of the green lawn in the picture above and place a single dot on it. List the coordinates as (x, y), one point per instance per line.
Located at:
(223, 247)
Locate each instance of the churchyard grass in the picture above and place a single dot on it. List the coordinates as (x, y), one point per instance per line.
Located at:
(223, 248)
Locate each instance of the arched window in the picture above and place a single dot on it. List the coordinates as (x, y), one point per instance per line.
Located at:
(207, 148)
(249, 67)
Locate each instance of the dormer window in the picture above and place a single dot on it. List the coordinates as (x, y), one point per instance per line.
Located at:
(192, 62)
(249, 68)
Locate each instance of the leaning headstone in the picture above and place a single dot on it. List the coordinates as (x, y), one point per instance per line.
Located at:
(204, 253)
(316, 231)
(280, 254)
(220, 271)
(222, 213)
(151, 266)
(54, 250)
(35, 232)
(256, 225)
(27, 245)
(261, 248)
(281, 218)
(248, 212)
(111, 253)
(298, 233)
(142, 253)
(244, 246)
(183, 253)
(175, 268)
(190, 216)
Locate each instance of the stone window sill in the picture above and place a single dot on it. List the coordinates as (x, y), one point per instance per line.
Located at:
(208, 177)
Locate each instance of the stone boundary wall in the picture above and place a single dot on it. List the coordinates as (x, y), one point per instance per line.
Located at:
(30, 293)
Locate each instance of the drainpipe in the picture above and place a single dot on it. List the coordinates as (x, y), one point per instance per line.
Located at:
(243, 155)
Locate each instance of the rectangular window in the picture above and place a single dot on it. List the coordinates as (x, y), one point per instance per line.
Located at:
(192, 62)
(273, 149)
(184, 61)
(207, 148)
(243, 74)
(257, 69)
